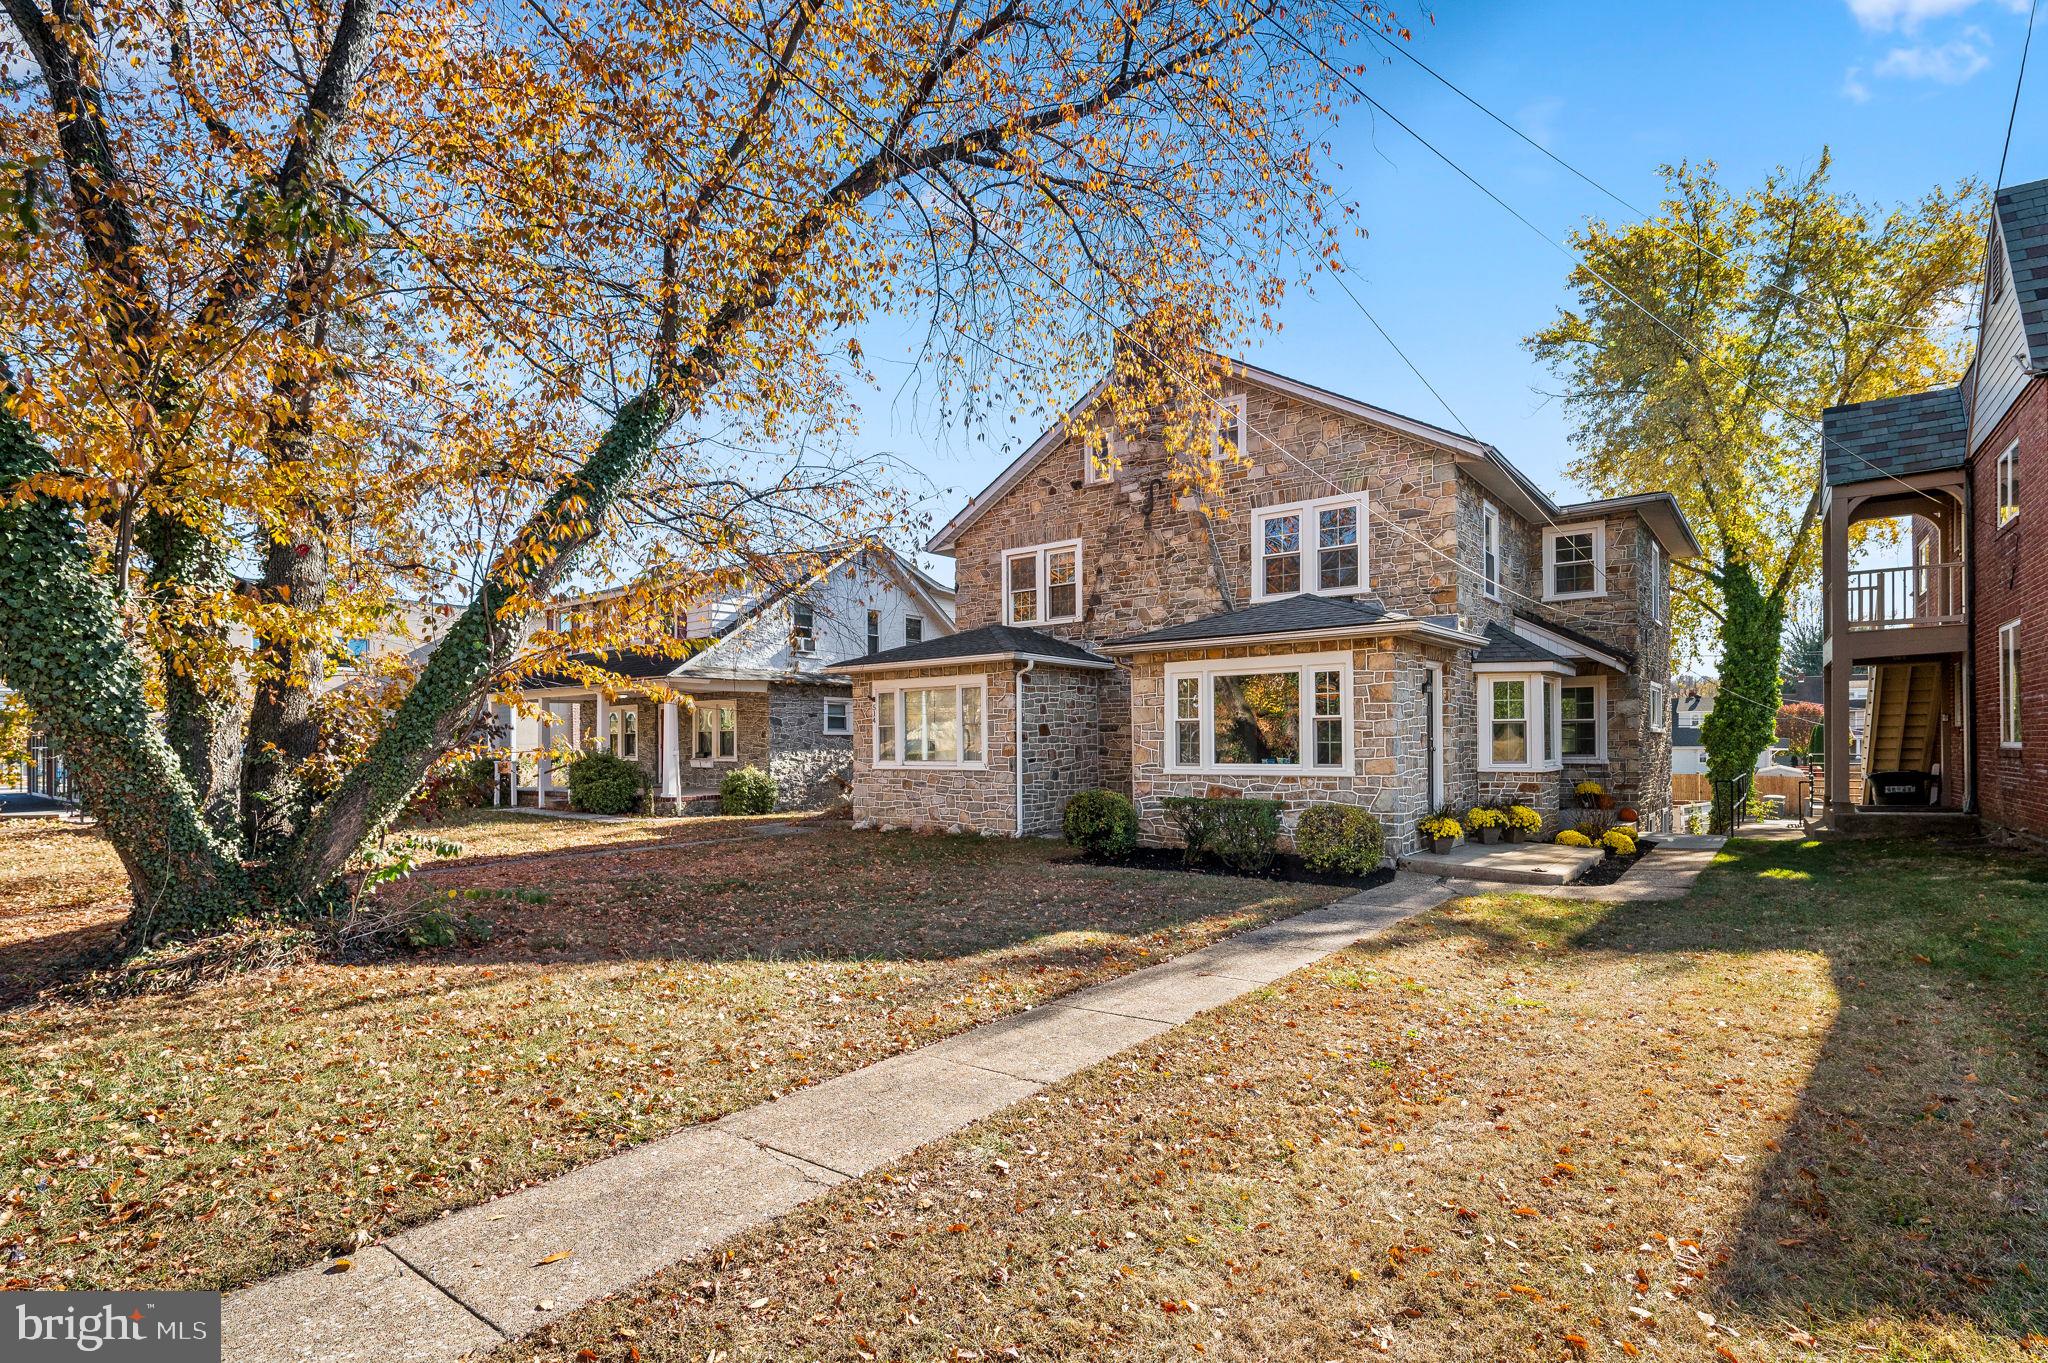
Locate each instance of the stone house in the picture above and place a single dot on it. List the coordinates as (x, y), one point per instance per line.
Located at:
(1375, 611)
(752, 690)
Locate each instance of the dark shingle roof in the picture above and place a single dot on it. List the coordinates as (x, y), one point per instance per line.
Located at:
(1579, 637)
(989, 640)
(1290, 615)
(1917, 433)
(2023, 223)
(1503, 645)
(623, 662)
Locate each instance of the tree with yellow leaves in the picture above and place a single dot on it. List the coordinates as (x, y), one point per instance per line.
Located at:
(320, 302)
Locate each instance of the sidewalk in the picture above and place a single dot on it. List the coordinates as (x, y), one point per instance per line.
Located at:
(493, 1272)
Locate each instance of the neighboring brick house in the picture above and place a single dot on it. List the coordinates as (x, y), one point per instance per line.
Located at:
(755, 691)
(1331, 628)
(1955, 643)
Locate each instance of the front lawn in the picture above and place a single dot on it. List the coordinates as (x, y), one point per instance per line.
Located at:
(1800, 1114)
(636, 979)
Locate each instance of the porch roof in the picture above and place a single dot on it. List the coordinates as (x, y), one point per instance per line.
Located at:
(1503, 645)
(1295, 617)
(631, 663)
(988, 643)
(1894, 437)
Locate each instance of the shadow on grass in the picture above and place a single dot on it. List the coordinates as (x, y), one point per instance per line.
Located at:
(1911, 1182)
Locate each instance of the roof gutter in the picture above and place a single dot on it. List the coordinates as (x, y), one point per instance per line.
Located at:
(860, 665)
(1457, 638)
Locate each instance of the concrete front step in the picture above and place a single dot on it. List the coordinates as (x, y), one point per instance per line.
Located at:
(1512, 863)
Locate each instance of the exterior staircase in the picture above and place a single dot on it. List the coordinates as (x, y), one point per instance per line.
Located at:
(1904, 717)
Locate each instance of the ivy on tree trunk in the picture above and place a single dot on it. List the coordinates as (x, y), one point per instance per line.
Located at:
(1744, 720)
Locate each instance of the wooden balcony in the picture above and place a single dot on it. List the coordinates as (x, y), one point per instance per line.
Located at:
(1922, 595)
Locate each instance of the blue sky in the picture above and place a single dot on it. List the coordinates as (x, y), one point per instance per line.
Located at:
(1907, 93)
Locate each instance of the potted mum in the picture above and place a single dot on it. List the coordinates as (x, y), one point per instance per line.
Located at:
(1486, 823)
(1524, 823)
(1440, 831)
(1589, 794)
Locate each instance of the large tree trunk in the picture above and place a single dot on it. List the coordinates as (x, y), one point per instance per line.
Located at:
(202, 714)
(471, 656)
(63, 650)
(282, 729)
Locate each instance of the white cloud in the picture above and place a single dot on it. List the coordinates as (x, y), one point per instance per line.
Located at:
(1951, 63)
(1853, 87)
(1910, 14)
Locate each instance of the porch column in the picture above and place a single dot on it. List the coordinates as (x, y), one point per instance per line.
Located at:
(1836, 659)
(671, 750)
(544, 732)
(604, 710)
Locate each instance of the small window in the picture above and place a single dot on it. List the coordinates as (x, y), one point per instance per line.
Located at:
(629, 734)
(1102, 454)
(803, 633)
(1653, 561)
(611, 734)
(1489, 550)
(1228, 438)
(2009, 483)
(1660, 709)
(1042, 585)
(2009, 685)
(838, 716)
(1583, 720)
(717, 732)
(359, 649)
(1317, 547)
(913, 629)
(874, 631)
(1574, 562)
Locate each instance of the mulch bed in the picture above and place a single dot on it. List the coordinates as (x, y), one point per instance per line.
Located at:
(1612, 868)
(1286, 867)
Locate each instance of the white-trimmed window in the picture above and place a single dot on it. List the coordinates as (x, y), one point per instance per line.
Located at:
(926, 724)
(913, 629)
(1042, 584)
(1230, 432)
(838, 716)
(1653, 564)
(803, 627)
(718, 733)
(1582, 719)
(1272, 715)
(2009, 483)
(1574, 561)
(1659, 708)
(626, 725)
(1102, 454)
(1489, 550)
(874, 631)
(2009, 684)
(1316, 547)
(1518, 721)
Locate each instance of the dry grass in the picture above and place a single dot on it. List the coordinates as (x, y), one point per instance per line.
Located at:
(208, 1138)
(1799, 1115)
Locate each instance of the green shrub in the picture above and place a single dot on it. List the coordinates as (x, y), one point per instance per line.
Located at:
(1340, 838)
(1102, 824)
(600, 783)
(1242, 834)
(749, 790)
(437, 928)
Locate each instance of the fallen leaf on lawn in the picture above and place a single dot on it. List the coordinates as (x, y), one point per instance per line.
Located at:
(341, 1265)
(757, 1303)
(1525, 1211)
(1577, 1344)
(556, 1257)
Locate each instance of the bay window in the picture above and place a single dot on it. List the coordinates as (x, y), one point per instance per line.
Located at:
(1582, 719)
(931, 725)
(1042, 584)
(1316, 547)
(1519, 721)
(1268, 714)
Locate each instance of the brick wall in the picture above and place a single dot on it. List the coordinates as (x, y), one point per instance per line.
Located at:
(2011, 582)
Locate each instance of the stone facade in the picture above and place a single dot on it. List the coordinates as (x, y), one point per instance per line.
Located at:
(751, 742)
(1063, 709)
(1152, 558)
(812, 769)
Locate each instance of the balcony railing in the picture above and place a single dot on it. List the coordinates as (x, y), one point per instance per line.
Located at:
(1896, 598)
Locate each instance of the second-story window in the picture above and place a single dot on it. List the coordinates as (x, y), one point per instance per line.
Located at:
(1489, 549)
(1042, 584)
(913, 629)
(1653, 563)
(874, 631)
(1317, 547)
(1574, 561)
(803, 631)
(2009, 483)
(1232, 429)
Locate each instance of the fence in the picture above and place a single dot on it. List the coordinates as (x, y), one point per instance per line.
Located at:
(1692, 787)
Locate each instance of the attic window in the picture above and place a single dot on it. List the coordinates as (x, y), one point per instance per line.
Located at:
(1231, 428)
(1101, 456)
(803, 627)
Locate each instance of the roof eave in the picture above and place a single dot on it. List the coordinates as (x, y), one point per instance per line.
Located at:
(1014, 655)
(1362, 630)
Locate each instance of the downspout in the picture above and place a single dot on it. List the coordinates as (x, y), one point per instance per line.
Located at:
(1017, 753)
(1968, 684)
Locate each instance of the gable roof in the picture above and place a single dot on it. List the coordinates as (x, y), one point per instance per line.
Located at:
(1292, 617)
(1486, 465)
(1893, 437)
(1504, 645)
(2023, 226)
(1586, 646)
(990, 642)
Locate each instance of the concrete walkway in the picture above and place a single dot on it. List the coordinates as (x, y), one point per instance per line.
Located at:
(1514, 863)
(1666, 873)
(493, 1272)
